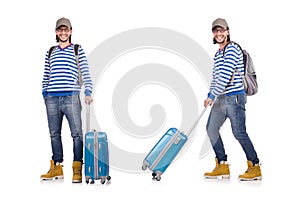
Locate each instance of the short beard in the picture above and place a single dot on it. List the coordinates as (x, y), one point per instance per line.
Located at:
(63, 41)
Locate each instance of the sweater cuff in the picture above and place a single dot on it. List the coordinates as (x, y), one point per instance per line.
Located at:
(87, 93)
(44, 93)
(211, 96)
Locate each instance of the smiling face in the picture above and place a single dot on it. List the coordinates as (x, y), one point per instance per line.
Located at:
(63, 33)
(220, 34)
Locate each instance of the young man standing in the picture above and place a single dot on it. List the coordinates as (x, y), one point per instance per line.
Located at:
(228, 98)
(61, 91)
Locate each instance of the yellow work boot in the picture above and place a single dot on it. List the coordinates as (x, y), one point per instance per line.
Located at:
(77, 172)
(252, 173)
(55, 172)
(221, 170)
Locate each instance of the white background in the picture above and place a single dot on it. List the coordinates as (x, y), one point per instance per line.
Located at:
(269, 30)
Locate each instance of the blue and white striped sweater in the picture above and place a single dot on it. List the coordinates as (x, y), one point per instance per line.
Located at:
(225, 64)
(61, 75)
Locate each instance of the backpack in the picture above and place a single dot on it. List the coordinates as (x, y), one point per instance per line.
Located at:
(249, 79)
(76, 49)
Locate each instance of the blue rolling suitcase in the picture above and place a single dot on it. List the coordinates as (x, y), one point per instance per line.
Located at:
(166, 149)
(96, 156)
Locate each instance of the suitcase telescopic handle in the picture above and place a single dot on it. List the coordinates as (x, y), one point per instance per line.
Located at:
(196, 121)
(88, 117)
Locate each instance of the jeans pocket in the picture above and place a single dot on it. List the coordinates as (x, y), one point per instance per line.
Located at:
(231, 100)
(241, 100)
(73, 99)
(49, 99)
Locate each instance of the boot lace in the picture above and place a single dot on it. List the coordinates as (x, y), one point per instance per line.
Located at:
(50, 170)
(77, 172)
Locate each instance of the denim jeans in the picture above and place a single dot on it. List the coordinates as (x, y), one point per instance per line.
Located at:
(232, 107)
(58, 107)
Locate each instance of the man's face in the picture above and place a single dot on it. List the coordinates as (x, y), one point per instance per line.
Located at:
(220, 34)
(63, 33)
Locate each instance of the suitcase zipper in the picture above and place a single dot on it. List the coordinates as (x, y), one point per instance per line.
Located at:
(95, 155)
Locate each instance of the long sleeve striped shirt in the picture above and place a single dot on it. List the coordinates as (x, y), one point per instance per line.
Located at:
(225, 65)
(61, 73)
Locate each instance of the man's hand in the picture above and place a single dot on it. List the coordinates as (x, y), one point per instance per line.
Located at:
(208, 101)
(88, 100)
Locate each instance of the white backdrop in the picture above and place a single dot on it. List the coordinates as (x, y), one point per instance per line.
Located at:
(267, 29)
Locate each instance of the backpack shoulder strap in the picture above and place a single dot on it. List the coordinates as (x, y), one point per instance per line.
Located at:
(244, 52)
(233, 43)
(76, 49)
(51, 50)
(226, 47)
(232, 78)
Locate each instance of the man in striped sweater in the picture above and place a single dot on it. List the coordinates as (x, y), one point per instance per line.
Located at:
(61, 92)
(228, 98)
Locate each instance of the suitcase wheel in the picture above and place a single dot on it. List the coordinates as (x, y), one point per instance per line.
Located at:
(156, 176)
(144, 167)
(87, 181)
(103, 180)
(108, 180)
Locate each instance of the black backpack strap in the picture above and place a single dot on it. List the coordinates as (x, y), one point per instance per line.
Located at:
(244, 59)
(50, 51)
(227, 45)
(233, 43)
(244, 55)
(76, 49)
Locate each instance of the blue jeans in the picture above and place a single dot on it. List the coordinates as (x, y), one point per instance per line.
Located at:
(232, 107)
(58, 107)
